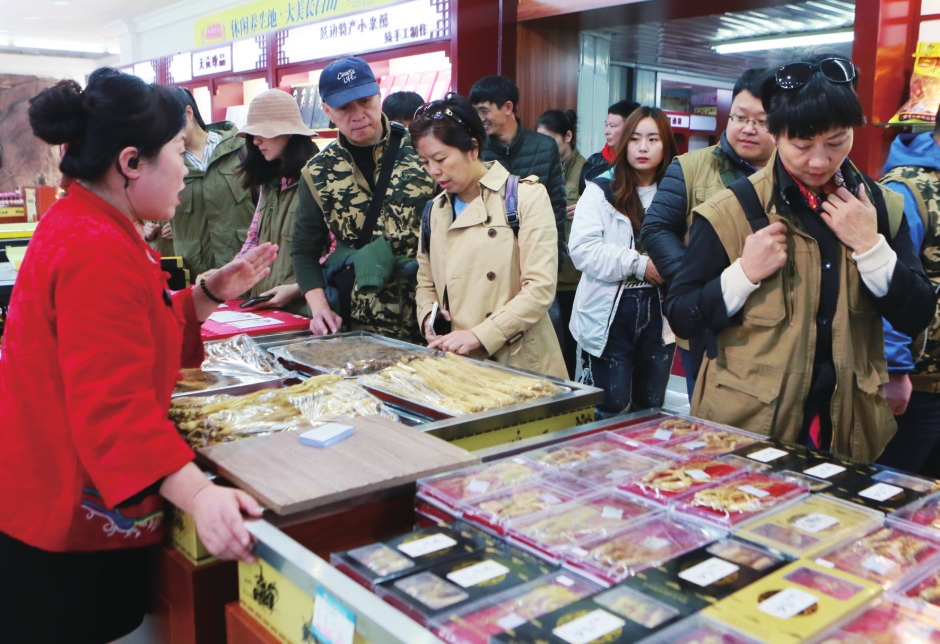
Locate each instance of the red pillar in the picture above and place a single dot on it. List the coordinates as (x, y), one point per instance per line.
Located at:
(483, 40)
(885, 40)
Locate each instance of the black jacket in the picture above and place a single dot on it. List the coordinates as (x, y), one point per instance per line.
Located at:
(594, 166)
(666, 222)
(534, 153)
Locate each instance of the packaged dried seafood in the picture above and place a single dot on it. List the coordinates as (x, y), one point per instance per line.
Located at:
(662, 431)
(240, 355)
(575, 452)
(886, 490)
(711, 442)
(739, 499)
(699, 630)
(458, 386)
(347, 356)
(208, 420)
(476, 623)
(924, 589)
(453, 489)
(887, 622)
(608, 471)
(495, 511)
(673, 480)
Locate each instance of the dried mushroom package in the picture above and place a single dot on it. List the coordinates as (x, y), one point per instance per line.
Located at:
(347, 356)
(208, 420)
(458, 386)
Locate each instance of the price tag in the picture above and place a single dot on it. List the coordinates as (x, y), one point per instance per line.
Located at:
(333, 623)
(787, 603)
(477, 486)
(595, 453)
(632, 443)
(708, 572)
(878, 564)
(825, 563)
(881, 491)
(551, 499)
(694, 445)
(519, 461)
(750, 489)
(478, 573)
(588, 628)
(564, 580)
(815, 522)
(612, 513)
(581, 552)
(698, 475)
(824, 470)
(655, 543)
(616, 474)
(662, 434)
(511, 621)
(768, 454)
(427, 545)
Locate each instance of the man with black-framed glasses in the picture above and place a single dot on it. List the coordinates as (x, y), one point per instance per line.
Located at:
(693, 178)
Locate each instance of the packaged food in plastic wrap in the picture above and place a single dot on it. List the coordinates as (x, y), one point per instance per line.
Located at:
(675, 479)
(495, 511)
(208, 420)
(807, 527)
(476, 623)
(552, 532)
(775, 454)
(886, 555)
(921, 105)
(698, 629)
(643, 544)
(924, 512)
(240, 354)
(923, 588)
(888, 621)
(886, 490)
(453, 489)
(573, 453)
(458, 386)
(662, 431)
(739, 499)
(347, 356)
(608, 471)
(711, 442)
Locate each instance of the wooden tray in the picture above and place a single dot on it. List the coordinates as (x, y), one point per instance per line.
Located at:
(288, 477)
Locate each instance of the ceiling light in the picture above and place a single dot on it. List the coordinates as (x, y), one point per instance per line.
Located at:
(61, 3)
(31, 18)
(780, 42)
(57, 45)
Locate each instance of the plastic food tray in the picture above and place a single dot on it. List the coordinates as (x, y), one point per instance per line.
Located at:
(495, 511)
(610, 470)
(924, 513)
(699, 630)
(576, 452)
(734, 501)
(551, 533)
(644, 544)
(348, 356)
(676, 479)
(712, 442)
(888, 621)
(477, 622)
(808, 526)
(663, 431)
(886, 490)
(454, 489)
(776, 454)
(923, 589)
(887, 555)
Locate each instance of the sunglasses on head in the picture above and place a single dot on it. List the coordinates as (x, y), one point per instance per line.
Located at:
(436, 111)
(796, 75)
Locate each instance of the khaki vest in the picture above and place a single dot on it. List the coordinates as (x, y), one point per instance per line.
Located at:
(761, 375)
(924, 184)
(278, 209)
(344, 195)
(215, 211)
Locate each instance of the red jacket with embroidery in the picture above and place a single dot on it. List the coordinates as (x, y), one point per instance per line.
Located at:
(91, 352)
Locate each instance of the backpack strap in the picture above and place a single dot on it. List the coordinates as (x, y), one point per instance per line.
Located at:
(426, 226)
(744, 190)
(512, 203)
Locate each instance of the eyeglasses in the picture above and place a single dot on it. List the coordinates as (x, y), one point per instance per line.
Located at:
(757, 124)
(796, 75)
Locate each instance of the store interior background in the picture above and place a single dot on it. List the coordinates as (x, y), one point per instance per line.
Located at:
(581, 55)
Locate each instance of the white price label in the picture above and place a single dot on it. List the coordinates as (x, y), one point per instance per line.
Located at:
(694, 445)
(478, 573)
(612, 513)
(511, 621)
(427, 545)
(708, 572)
(815, 522)
(768, 454)
(787, 603)
(750, 489)
(595, 453)
(662, 434)
(476, 486)
(655, 543)
(616, 474)
(519, 461)
(632, 443)
(581, 552)
(227, 317)
(825, 563)
(333, 623)
(881, 491)
(564, 580)
(878, 564)
(824, 470)
(251, 324)
(698, 475)
(588, 628)
(551, 499)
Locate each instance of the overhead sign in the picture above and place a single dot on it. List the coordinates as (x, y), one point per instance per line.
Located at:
(271, 15)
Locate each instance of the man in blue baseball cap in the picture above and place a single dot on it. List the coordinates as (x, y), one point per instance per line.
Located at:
(367, 283)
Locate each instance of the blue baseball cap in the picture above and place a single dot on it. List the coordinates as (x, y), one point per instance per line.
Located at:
(346, 80)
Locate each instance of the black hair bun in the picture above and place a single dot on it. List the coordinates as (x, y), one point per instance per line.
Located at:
(57, 114)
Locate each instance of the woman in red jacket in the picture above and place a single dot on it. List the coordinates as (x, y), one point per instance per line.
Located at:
(91, 351)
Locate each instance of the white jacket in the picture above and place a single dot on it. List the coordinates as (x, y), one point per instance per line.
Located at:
(601, 246)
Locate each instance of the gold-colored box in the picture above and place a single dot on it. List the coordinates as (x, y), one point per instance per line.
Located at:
(181, 531)
(791, 618)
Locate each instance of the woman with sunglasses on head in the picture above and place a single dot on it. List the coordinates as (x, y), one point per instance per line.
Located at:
(788, 281)
(492, 275)
(91, 353)
(278, 146)
(617, 320)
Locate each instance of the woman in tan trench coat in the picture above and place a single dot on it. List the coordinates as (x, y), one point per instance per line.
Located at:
(493, 282)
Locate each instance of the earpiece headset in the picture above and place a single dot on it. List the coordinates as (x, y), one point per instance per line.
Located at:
(133, 162)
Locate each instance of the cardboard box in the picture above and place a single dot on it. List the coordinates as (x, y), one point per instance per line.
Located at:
(255, 322)
(181, 531)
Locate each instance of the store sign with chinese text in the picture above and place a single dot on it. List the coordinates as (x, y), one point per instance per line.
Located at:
(212, 61)
(404, 24)
(681, 121)
(271, 15)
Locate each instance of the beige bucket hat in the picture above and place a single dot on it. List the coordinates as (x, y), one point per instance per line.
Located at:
(274, 113)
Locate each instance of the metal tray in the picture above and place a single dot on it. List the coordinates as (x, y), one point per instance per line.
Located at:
(278, 349)
(240, 389)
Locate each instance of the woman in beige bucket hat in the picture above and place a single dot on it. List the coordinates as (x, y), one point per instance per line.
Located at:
(278, 146)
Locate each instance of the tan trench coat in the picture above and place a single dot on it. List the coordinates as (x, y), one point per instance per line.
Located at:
(498, 286)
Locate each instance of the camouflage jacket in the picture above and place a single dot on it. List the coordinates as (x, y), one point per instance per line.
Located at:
(334, 198)
(924, 184)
